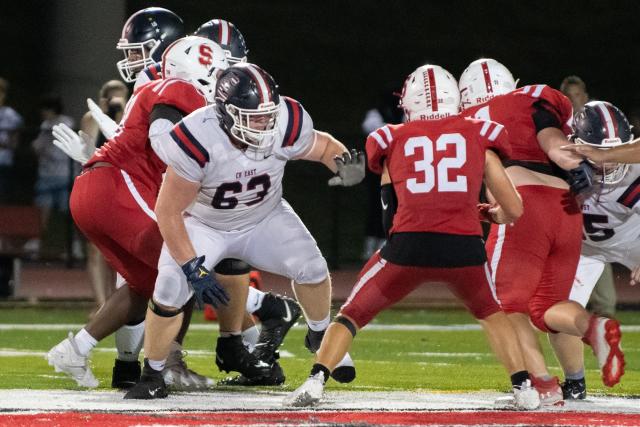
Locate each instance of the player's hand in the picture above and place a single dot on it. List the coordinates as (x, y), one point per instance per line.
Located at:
(106, 124)
(581, 179)
(205, 287)
(351, 169)
(635, 276)
(78, 146)
(491, 212)
(594, 154)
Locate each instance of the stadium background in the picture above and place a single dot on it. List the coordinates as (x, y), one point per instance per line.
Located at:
(333, 56)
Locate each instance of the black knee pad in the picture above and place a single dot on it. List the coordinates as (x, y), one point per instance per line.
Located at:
(347, 324)
(232, 267)
(161, 311)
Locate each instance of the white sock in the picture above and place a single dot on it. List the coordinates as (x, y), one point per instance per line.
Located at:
(250, 337)
(129, 340)
(254, 300)
(84, 342)
(319, 325)
(156, 365)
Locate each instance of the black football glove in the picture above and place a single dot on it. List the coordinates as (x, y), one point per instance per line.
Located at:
(581, 179)
(351, 169)
(205, 287)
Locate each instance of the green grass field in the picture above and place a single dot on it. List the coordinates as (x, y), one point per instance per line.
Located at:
(386, 360)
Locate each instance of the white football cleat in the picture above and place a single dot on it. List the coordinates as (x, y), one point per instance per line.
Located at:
(308, 394)
(604, 337)
(65, 357)
(178, 377)
(526, 397)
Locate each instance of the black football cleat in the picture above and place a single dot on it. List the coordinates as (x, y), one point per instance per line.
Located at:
(232, 355)
(574, 389)
(282, 314)
(125, 374)
(150, 386)
(275, 378)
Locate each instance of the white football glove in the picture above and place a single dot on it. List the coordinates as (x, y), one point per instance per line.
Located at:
(351, 169)
(106, 124)
(79, 147)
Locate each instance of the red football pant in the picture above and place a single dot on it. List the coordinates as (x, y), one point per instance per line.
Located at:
(382, 283)
(115, 212)
(534, 261)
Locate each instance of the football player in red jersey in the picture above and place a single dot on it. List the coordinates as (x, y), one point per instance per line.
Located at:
(434, 165)
(113, 199)
(534, 261)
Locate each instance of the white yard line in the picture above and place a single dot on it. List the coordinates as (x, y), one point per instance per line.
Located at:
(57, 400)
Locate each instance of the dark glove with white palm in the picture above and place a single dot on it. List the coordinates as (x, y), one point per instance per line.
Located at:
(351, 169)
(79, 146)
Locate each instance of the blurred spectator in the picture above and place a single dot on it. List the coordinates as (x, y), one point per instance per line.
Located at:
(634, 120)
(55, 169)
(111, 99)
(10, 125)
(575, 89)
(386, 112)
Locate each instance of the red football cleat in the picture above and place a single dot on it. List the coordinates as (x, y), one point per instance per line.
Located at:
(549, 390)
(603, 335)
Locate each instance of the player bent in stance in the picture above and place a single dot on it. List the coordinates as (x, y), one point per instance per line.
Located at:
(611, 218)
(533, 262)
(112, 203)
(436, 162)
(277, 314)
(226, 164)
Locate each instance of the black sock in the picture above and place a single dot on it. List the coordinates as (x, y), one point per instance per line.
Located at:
(519, 377)
(317, 367)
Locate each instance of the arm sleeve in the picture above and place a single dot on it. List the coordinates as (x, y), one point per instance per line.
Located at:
(299, 135)
(180, 147)
(389, 206)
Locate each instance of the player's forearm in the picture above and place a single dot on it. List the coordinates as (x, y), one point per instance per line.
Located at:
(332, 148)
(176, 194)
(628, 153)
(176, 237)
(551, 141)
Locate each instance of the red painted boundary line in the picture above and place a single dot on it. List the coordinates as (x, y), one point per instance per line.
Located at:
(93, 419)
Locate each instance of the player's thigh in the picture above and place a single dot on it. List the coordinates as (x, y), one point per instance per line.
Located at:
(474, 288)
(171, 287)
(587, 275)
(380, 285)
(516, 258)
(281, 244)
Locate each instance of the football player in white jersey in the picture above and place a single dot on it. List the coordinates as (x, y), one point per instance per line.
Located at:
(611, 227)
(225, 167)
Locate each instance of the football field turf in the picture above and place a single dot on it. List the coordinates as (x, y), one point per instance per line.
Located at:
(403, 350)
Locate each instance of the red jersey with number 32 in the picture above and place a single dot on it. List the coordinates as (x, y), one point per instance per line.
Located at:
(130, 149)
(436, 167)
(515, 111)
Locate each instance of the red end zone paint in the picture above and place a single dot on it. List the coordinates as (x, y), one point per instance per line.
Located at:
(316, 417)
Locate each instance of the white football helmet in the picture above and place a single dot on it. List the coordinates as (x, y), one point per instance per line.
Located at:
(482, 80)
(430, 93)
(197, 60)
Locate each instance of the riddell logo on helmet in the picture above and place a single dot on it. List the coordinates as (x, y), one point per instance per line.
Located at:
(222, 92)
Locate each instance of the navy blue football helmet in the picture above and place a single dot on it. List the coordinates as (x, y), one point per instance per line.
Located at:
(145, 36)
(603, 125)
(227, 36)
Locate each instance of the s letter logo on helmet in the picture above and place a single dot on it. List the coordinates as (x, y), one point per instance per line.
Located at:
(206, 53)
